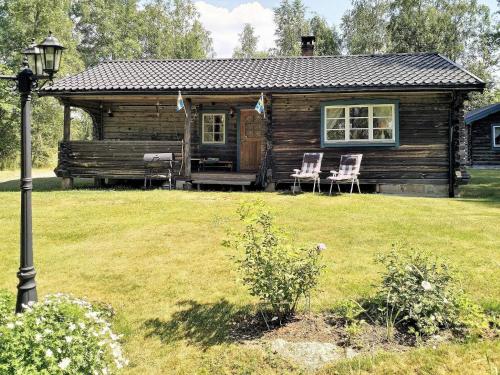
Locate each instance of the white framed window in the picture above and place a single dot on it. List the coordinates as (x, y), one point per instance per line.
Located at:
(360, 123)
(495, 136)
(213, 128)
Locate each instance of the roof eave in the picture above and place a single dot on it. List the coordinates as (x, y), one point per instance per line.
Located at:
(473, 87)
(482, 114)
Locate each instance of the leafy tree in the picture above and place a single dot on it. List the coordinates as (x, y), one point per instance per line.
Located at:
(20, 21)
(328, 41)
(364, 27)
(106, 29)
(171, 29)
(452, 27)
(248, 43)
(191, 40)
(291, 24)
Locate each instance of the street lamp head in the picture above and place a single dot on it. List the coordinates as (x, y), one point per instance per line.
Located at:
(34, 58)
(51, 51)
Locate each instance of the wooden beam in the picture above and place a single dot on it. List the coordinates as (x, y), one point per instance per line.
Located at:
(67, 123)
(187, 140)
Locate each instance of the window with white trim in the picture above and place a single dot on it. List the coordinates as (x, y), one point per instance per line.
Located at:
(213, 128)
(363, 123)
(496, 136)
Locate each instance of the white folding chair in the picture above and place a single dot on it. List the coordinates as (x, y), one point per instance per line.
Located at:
(348, 171)
(311, 168)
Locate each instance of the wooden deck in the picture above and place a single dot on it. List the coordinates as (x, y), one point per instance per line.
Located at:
(223, 178)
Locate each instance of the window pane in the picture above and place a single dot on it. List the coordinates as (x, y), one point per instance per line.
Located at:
(218, 137)
(382, 134)
(496, 136)
(335, 135)
(335, 124)
(358, 111)
(208, 119)
(209, 128)
(218, 119)
(359, 134)
(335, 112)
(382, 111)
(217, 128)
(357, 123)
(382, 123)
(208, 137)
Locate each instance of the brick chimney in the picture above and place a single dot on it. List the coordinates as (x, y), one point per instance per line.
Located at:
(307, 45)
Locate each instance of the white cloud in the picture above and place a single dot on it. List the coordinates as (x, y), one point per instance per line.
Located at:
(226, 24)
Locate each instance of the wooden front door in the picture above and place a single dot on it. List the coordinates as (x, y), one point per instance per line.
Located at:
(251, 138)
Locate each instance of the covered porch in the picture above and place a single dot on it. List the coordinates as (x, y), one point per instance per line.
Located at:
(217, 140)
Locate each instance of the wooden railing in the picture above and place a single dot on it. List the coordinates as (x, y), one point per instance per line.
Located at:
(110, 159)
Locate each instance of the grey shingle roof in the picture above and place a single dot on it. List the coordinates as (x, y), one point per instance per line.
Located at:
(425, 70)
(481, 113)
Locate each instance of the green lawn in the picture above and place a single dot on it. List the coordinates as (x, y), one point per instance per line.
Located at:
(156, 257)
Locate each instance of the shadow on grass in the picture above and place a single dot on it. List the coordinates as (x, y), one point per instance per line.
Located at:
(207, 324)
(44, 184)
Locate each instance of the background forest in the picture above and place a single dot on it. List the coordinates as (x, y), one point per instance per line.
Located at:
(95, 30)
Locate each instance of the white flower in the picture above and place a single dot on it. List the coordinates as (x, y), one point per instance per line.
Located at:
(38, 337)
(48, 353)
(63, 365)
(71, 327)
(68, 339)
(320, 247)
(19, 323)
(10, 325)
(426, 285)
(81, 325)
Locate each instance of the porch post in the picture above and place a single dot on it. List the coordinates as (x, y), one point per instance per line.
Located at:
(187, 140)
(67, 182)
(67, 123)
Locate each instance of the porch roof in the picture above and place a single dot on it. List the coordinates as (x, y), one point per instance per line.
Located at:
(280, 74)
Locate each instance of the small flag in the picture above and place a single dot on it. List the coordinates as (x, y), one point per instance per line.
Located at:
(259, 107)
(180, 102)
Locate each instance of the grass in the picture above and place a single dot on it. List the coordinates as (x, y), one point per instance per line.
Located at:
(156, 257)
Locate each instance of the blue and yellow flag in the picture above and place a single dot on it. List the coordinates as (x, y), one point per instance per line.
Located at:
(180, 102)
(259, 107)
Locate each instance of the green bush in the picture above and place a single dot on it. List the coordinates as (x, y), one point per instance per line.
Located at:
(7, 305)
(61, 335)
(274, 270)
(419, 294)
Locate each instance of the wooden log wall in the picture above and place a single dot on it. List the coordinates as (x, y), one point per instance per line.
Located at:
(422, 157)
(481, 151)
(133, 121)
(110, 159)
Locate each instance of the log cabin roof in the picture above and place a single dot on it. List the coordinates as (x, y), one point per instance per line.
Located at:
(481, 113)
(274, 74)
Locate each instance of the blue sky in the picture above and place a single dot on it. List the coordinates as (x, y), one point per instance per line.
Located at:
(225, 18)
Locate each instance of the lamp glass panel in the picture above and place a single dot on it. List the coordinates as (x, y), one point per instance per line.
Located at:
(49, 58)
(57, 59)
(31, 61)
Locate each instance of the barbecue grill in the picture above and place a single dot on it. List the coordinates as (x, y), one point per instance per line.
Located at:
(158, 166)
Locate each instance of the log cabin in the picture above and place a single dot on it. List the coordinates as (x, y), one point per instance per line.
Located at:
(403, 112)
(483, 126)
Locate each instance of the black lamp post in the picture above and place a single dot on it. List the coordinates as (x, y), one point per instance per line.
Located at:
(40, 62)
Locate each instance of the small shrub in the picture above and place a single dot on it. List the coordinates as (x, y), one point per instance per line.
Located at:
(420, 295)
(61, 335)
(274, 270)
(352, 315)
(7, 305)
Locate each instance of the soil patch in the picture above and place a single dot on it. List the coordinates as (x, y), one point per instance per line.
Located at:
(313, 340)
